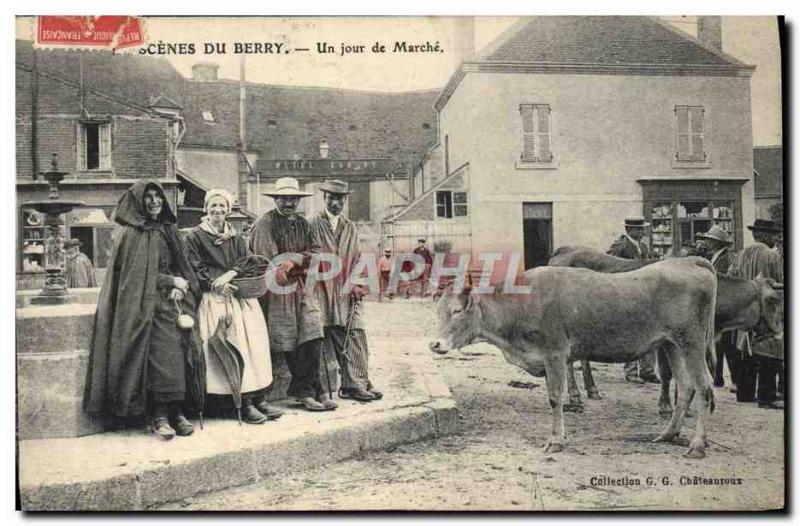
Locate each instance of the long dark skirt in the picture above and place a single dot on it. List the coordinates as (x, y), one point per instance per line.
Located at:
(166, 377)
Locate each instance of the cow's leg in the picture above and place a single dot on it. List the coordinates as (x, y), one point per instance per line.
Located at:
(588, 381)
(702, 383)
(665, 373)
(556, 367)
(575, 405)
(685, 390)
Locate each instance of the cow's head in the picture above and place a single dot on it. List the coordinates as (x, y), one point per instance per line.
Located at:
(770, 297)
(458, 320)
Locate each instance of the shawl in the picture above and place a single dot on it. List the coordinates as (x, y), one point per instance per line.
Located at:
(334, 305)
(79, 272)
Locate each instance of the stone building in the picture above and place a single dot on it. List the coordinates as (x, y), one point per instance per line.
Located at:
(585, 121)
(767, 178)
(100, 115)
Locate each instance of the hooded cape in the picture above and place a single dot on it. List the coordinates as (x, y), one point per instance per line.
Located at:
(116, 382)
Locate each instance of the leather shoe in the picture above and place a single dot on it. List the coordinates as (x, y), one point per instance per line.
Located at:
(371, 388)
(270, 411)
(311, 405)
(251, 415)
(356, 393)
(777, 404)
(327, 403)
(161, 428)
(651, 378)
(633, 379)
(182, 426)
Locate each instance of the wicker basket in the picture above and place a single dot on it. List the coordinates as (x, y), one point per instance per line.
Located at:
(253, 287)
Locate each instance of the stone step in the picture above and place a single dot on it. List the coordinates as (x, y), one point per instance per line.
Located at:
(132, 470)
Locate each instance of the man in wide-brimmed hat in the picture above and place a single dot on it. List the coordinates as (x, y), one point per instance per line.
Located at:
(715, 246)
(342, 313)
(293, 319)
(758, 373)
(78, 269)
(630, 246)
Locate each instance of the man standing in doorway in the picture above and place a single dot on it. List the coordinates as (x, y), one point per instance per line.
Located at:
(630, 246)
(78, 269)
(293, 319)
(342, 313)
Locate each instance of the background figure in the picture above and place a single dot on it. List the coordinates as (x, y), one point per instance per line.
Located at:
(342, 312)
(385, 263)
(715, 246)
(214, 248)
(136, 362)
(630, 246)
(426, 255)
(78, 270)
(758, 374)
(293, 319)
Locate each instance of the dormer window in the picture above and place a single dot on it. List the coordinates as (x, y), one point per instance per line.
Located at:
(272, 124)
(208, 116)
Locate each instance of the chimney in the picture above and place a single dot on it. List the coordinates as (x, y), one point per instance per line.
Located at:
(709, 31)
(205, 71)
(323, 149)
(465, 37)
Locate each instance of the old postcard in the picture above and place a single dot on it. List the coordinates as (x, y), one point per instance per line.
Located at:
(356, 263)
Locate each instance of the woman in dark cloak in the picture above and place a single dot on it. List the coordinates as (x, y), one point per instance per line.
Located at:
(137, 363)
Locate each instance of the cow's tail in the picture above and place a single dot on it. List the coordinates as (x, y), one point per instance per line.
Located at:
(711, 348)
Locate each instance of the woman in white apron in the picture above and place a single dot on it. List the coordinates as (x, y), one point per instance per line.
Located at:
(214, 247)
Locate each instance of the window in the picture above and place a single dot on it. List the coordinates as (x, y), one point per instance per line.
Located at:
(689, 140)
(536, 140)
(451, 204)
(208, 116)
(94, 146)
(692, 217)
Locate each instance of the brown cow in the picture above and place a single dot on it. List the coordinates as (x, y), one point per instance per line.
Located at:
(572, 313)
(741, 304)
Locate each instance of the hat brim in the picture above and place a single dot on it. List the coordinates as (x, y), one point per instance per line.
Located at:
(338, 192)
(288, 193)
(703, 236)
(764, 229)
(638, 225)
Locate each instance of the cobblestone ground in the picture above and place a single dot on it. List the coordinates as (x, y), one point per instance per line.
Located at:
(496, 462)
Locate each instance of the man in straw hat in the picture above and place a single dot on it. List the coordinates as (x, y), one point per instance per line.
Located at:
(715, 245)
(78, 269)
(342, 312)
(759, 258)
(630, 246)
(293, 319)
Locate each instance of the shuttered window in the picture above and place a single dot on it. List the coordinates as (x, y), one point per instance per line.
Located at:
(94, 146)
(690, 133)
(536, 137)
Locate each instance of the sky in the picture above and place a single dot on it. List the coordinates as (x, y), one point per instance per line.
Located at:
(753, 40)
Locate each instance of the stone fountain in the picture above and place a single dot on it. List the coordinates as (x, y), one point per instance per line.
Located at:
(55, 286)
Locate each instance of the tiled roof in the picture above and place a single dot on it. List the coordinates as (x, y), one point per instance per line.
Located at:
(612, 40)
(768, 164)
(282, 121)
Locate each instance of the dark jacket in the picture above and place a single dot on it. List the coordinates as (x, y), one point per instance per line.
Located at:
(625, 248)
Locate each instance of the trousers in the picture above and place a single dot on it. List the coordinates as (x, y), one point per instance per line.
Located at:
(644, 366)
(304, 365)
(352, 354)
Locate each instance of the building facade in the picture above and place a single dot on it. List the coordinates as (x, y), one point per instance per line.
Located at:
(585, 121)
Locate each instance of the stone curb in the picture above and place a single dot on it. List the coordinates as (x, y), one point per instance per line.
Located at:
(422, 408)
(146, 488)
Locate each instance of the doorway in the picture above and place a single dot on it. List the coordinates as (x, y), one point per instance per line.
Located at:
(537, 233)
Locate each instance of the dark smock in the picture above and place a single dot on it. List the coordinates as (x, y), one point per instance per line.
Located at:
(137, 348)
